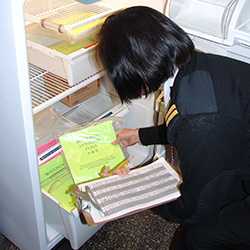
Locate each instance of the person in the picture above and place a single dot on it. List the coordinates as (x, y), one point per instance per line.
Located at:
(207, 122)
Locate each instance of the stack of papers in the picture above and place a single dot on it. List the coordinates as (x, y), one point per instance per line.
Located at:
(143, 188)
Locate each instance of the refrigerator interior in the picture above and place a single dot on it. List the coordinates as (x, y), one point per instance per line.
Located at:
(53, 76)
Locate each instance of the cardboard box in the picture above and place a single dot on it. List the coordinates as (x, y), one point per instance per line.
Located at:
(82, 94)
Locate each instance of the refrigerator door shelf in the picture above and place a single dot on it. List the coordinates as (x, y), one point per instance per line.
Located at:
(194, 16)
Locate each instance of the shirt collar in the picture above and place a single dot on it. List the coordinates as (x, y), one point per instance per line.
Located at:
(167, 85)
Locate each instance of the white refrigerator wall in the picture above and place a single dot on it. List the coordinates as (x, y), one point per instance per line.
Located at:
(21, 216)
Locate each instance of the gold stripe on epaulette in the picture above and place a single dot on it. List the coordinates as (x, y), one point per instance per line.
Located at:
(170, 110)
(171, 113)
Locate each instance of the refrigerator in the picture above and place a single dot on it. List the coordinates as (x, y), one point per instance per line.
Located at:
(30, 219)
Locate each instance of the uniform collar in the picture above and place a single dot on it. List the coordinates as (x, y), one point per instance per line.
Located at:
(168, 85)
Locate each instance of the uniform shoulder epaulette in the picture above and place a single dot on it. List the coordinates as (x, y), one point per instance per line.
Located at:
(171, 114)
(195, 94)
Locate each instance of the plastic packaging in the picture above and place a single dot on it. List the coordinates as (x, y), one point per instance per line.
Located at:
(89, 149)
(49, 125)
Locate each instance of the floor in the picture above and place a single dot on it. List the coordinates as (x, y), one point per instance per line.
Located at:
(142, 231)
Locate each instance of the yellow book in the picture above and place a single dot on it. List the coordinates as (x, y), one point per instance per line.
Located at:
(56, 180)
(89, 149)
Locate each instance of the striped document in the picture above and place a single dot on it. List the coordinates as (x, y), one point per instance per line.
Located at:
(142, 188)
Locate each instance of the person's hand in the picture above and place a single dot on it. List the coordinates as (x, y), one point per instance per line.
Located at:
(127, 137)
(118, 171)
(121, 169)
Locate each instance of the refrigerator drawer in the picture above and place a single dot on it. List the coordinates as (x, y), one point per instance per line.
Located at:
(67, 224)
(62, 39)
(74, 68)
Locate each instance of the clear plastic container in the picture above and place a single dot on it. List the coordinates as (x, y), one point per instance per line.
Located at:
(210, 17)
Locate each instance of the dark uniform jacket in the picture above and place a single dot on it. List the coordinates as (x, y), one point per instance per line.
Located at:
(208, 123)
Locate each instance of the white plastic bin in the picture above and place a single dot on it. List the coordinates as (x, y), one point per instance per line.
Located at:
(61, 38)
(75, 67)
(67, 224)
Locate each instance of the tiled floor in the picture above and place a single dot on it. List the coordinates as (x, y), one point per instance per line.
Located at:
(143, 231)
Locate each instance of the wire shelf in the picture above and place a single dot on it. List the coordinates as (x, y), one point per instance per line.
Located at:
(47, 88)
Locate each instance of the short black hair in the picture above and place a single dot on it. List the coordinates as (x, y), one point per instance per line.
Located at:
(140, 48)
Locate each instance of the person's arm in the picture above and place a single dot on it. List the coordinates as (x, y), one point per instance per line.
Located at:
(146, 136)
(153, 135)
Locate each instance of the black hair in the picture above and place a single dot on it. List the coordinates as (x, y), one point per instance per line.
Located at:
(140, 48)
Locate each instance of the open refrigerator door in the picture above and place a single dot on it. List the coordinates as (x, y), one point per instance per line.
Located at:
(241, 33)
(208, 19)
(220, 27)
